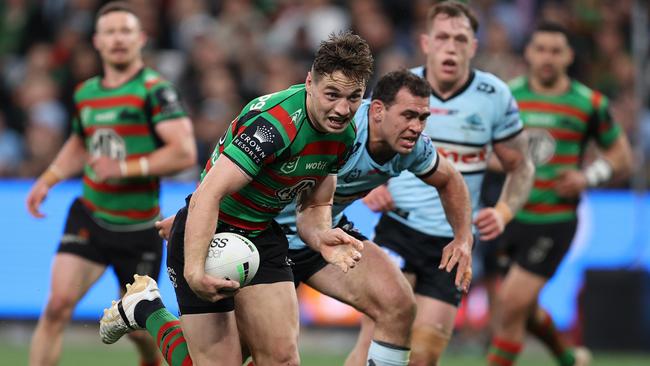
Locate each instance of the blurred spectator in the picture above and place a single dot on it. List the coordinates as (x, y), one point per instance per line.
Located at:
(11, 149)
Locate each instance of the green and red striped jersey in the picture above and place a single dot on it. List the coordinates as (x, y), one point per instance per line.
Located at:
(119, 123)
(273, 141)
(559, 128)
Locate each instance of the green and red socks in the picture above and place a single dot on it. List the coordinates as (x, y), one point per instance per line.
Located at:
(540, 324)
(165, 328)
(502, 352)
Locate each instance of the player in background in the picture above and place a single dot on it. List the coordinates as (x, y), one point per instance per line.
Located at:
(283, 146)
(128, 130)
(472, 112)
(562, 116)
(388, 142)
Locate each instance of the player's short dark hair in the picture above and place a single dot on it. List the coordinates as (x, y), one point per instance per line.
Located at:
(345, 52)
(114, 6)
(390, 84)
(547, 26)
(453, 9)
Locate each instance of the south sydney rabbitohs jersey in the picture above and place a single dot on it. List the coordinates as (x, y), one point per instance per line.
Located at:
(559, 128)
(463, 128)
(273, 141)
(120, 123)
(361, 173)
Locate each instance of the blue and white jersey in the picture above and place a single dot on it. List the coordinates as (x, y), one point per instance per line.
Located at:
(463, 128)
(361, 173)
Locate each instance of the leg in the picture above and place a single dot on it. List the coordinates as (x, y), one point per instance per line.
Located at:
(432, 329)
(515, 303)
(212, 338)
(273, 339)
(72, 276)
(359, 354)
(385, 296)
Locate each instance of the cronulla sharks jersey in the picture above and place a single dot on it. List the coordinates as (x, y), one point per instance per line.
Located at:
(361, 173)
(462, 127)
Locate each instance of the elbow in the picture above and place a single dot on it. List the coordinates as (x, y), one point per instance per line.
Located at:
(188, 156)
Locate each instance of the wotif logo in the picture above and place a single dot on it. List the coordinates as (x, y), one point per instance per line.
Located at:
(317, 165)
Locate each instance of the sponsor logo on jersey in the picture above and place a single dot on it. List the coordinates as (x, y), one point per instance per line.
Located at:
(290, 166)
(486, 88)
(541, 146)
(257, 141)
(106, 142)
(85, 115)
(443, 111)
(474, 123)
(287, 194)
(316, 165)
(352, 175)
(466, 159)
(103, 117)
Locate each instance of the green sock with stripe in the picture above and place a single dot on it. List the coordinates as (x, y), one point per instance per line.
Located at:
(502, 352)
(540, 324)
(165, 328)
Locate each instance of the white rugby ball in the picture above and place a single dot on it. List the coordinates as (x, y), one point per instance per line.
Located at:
(232, 256)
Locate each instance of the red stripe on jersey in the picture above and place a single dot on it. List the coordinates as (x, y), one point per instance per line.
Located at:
(289, 180)
(544, 184)
(560, 134)
(552, 108)
(549, 208)
(595, 99)
(262, 188)
(132, 214)
(324, 148)
(122, 130)
(246, 202)
(121, 188)
(242, 224)
(283, 117)
(564, 159)
(155, 111)
(110, 102)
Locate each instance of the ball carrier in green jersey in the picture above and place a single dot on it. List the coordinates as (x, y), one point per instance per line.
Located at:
(561, 116)
(129, 128)
(283, 146)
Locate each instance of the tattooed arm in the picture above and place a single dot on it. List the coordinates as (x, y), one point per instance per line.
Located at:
(520, 171)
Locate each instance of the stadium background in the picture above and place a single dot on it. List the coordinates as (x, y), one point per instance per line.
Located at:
(222, 53)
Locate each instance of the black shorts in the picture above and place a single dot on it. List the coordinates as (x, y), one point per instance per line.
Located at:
(129, 252)
(539, 248)
(274, 267)
(306, 262)
(420, 254)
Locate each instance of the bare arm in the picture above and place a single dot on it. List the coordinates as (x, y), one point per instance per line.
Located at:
(615, 162)
(67, 163)
(314, 224)
(513, 156)
(203, 211)
(454, 197)
(177, 153)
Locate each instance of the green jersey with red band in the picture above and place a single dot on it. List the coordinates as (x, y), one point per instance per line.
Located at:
(119, 123)
(559, 128)
(274, 142)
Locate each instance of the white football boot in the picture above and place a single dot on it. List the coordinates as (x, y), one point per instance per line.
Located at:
(119, 318)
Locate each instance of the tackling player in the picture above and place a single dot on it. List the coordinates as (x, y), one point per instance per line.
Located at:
(561, 116)
(473, 114)
(128, 130)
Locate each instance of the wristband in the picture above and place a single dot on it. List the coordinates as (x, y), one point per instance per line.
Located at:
(504, 210)
(598, 172)
(144, 166)
(124, 169)
(52, 175)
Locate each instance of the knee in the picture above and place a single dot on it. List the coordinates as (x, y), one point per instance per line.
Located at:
(428, 344)
(396, 306)
(512, 307)
(285, 355)
(59, 308)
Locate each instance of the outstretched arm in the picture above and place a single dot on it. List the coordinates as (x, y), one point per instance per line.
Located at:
(314, 223)
(456, 203)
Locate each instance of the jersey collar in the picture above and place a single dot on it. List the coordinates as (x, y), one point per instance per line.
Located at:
(458, 92)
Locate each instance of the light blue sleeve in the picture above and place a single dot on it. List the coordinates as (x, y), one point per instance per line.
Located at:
(424, 157)
(507, 122)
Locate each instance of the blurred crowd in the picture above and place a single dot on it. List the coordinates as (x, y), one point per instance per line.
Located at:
(222, 53)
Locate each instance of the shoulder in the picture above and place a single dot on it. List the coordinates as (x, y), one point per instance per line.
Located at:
(85, 86)
(153, 80)
(490, 84)
(595, 98)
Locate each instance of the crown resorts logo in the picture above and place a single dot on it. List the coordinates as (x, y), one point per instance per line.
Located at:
(263, 134)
